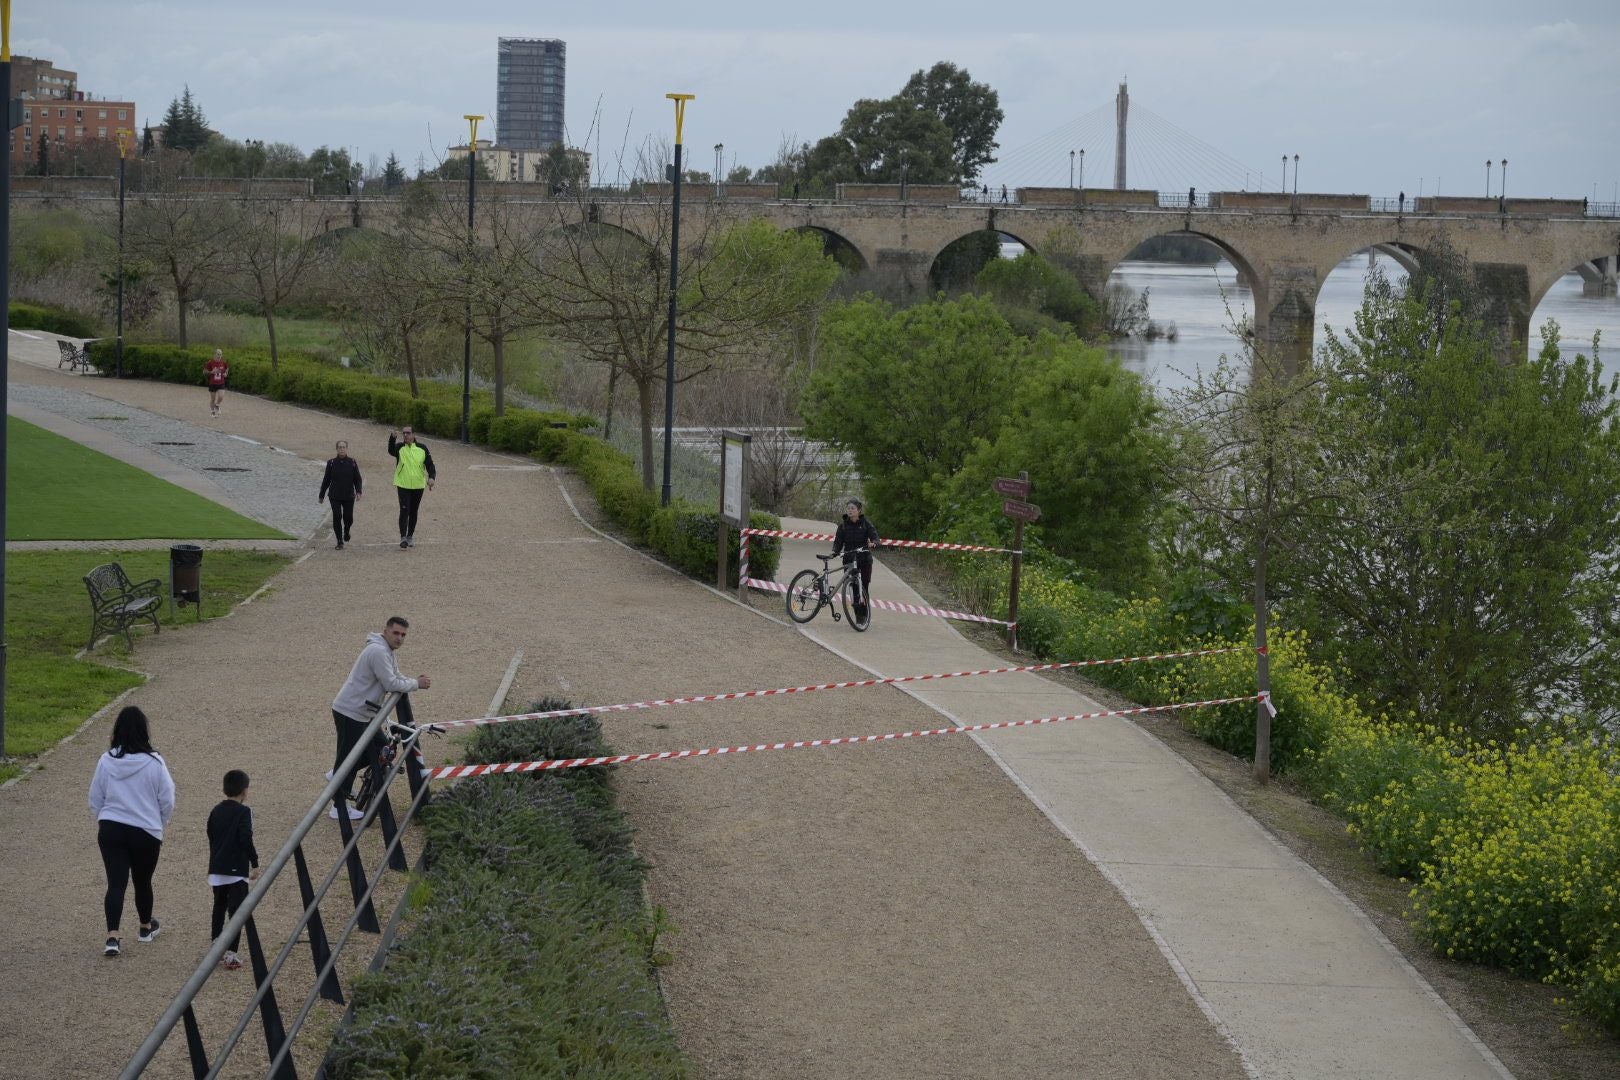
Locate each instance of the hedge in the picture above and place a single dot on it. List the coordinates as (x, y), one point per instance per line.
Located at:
(684, 532)
(530, 952)
(52, 319)
(1514, 851)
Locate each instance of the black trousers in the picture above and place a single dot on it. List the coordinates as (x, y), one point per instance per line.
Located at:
(863, 564)
(227, 898)
(342, 517)
(410, 500)
(348, 736)
(127, 851)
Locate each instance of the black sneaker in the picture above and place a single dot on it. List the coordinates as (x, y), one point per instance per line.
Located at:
(404, 541)
(340, 545)
(149, 933)
(113, 947)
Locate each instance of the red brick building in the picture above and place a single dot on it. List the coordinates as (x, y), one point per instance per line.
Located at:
(77, 131)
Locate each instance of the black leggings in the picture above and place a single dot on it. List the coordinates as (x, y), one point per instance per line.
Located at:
(227, 898)
(410, 500)
(127, 851)
(863, 563)
(342, 517)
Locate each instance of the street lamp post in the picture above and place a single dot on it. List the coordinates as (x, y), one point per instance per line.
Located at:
(1071, 168)
(680, 101)
(466, 343)
(1296, 174)
(1488, 164)
(719, 163)
(1503, 192)
(1082, 170)
(123, 147)
(1284, 187)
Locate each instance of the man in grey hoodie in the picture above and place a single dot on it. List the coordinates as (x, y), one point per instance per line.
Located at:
(375, 673)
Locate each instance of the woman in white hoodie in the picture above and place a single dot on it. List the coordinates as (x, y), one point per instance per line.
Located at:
(132, 797)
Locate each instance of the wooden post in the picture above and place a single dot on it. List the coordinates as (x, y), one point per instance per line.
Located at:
(1262, 712)
(1017, 576)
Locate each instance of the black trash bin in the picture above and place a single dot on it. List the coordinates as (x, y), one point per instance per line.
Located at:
(185, 575)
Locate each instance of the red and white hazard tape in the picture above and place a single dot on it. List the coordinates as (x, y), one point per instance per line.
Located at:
(929, 544)
(462, 772)
(890, 605)
(892, 680)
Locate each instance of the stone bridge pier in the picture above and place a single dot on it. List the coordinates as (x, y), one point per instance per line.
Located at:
(1600, 276)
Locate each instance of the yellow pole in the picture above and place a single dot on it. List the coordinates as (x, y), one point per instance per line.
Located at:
(680, 101)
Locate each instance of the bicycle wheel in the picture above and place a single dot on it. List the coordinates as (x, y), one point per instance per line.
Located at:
(859, 615)
(804, 596)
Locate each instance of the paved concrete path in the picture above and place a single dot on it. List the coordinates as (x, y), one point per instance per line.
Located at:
(1295, 975)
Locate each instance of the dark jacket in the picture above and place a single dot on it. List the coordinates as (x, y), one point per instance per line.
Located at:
(342, 479)
(855, 534)
(230, 839)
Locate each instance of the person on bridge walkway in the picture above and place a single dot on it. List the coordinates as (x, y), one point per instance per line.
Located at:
(413, 472)
(342, 479)
(855, 540)
(132, 796)
(375, 673)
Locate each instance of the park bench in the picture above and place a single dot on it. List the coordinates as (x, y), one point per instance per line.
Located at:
(73, 357)
(117, 603)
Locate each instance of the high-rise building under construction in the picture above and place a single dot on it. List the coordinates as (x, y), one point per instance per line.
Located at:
(530, 79)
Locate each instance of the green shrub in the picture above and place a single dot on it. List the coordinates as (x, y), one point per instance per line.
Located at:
(529, 952)
(53, 320)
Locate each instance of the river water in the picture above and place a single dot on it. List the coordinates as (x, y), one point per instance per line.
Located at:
(1195, 300)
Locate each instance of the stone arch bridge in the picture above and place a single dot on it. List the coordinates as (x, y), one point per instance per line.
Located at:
(1284, 246)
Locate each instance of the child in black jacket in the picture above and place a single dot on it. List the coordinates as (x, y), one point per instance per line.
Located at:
(232, 859)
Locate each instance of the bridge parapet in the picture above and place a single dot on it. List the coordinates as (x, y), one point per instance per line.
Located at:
(936, 194)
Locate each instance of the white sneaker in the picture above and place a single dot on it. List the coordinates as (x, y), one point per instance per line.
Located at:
(355, 813)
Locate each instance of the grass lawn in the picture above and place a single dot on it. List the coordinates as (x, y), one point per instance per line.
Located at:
(59, 490)
(49, 693)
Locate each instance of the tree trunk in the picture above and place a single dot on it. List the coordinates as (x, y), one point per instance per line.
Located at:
(410, 362)
(613, 381)
(1262, 714)
(270, 325)
(644, 394)
(498, 343)
(181, 304)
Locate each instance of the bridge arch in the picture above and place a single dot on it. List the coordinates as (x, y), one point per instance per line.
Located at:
(840, 248)
(1596, 268)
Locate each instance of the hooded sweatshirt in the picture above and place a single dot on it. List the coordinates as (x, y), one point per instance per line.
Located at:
(375, 673)
(135, 789)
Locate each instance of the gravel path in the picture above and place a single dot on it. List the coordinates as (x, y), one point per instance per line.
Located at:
(889, 911)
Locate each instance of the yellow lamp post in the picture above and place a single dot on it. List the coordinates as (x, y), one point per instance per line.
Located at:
(466, 345)
(680, 101)
(124, 135)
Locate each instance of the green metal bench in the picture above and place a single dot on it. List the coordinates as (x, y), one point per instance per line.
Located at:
(117, 603)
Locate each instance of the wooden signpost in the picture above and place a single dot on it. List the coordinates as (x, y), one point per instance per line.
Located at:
(733, 499)
(1021, 512)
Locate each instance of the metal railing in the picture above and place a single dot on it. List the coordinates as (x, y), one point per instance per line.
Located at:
(278, 1036)
(1603, 209)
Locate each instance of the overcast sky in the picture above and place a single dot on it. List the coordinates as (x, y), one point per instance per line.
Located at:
(1375, 97)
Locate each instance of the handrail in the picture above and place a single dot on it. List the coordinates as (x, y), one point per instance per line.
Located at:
(263, 1000)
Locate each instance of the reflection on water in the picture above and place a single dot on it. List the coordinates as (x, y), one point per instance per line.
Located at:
(1204, 303)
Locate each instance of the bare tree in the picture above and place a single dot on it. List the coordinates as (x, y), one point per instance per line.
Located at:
(385, 310)
(270, 257)
(185, 239)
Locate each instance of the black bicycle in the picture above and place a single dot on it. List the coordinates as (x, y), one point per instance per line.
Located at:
(397, 738)
(810, 591)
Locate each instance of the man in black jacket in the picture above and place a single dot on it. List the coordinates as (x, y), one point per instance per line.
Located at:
(232, 858)
(343, 480)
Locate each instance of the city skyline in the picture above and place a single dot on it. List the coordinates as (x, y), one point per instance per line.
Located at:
(1400, 96)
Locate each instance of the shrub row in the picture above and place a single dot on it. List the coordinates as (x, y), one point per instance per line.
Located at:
(436, 411)
(684, 532)
(530, 952)
(1512, 849)
(52, 320)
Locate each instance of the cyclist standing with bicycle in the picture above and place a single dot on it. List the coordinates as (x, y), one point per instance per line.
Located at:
(375, 673)
(855, 539)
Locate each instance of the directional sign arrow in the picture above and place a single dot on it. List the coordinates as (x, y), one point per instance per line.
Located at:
(1023, 511)
(1018, 489)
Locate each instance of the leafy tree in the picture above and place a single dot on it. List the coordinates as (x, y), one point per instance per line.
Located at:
(1498, 607)
(970, 111)
(1085, 430)
(740, 174)
(1032, 283)
(332, 171)
(605, 291)
(393, 176)
(563, 171)
(879, 141)
(456, 169)
(911, 393)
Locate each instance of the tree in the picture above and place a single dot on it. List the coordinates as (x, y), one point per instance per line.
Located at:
(382, 314)
(184, 126)
(1498, 609)
(970, 111)
(393, 176)
(1086, 431)
(911, 393)
(879, 141)
(269, 258)
(605, 291)
(185, 241)
(44, 154)
(1032, 283)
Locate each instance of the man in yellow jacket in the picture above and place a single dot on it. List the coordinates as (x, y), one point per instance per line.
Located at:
(413, 473)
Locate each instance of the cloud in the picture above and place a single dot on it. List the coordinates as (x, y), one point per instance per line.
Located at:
(1562, 33)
